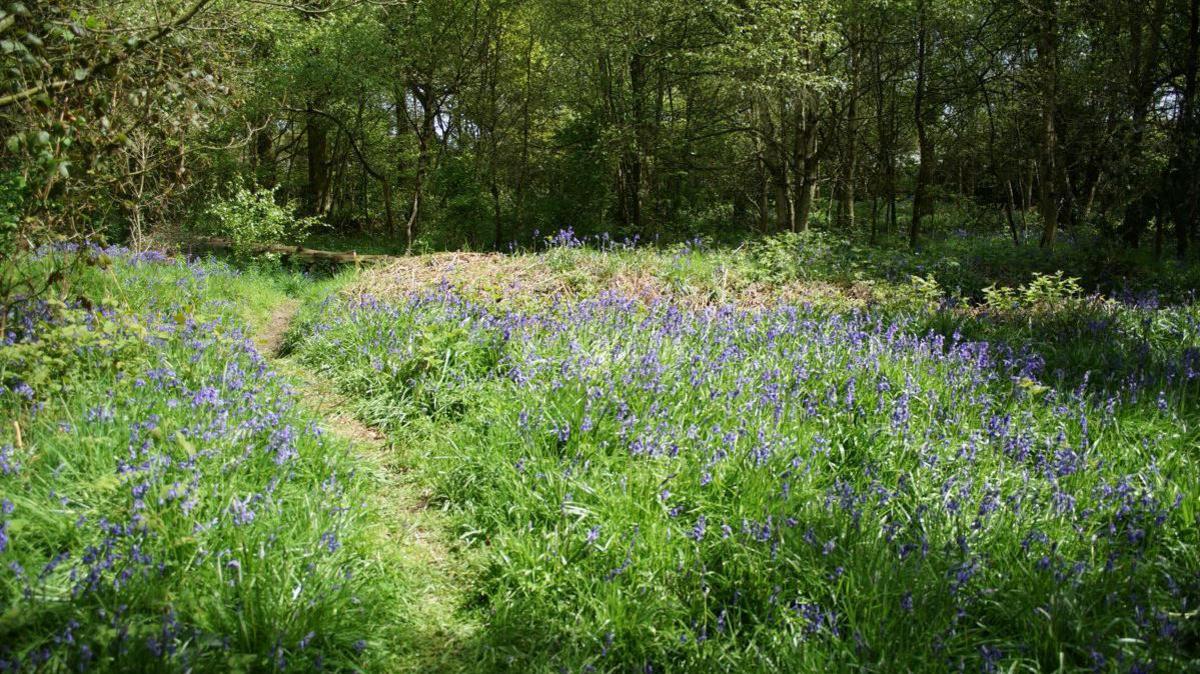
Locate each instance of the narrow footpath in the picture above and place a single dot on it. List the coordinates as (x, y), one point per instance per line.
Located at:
(429, 552)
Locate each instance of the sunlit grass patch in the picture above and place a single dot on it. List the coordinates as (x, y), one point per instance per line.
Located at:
(166, 506)
(670, 487)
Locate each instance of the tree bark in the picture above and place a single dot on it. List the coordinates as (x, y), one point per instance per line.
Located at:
(264, 154)
(1144, 54)
(316, 130)
(522, 173)
(634, 166)
(425, 96)
(845, 220)
(807, 162)
(1185, 184)
(923, 195)
(1047, 58)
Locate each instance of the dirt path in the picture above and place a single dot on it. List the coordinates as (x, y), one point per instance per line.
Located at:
(269, 337)
(418, 535)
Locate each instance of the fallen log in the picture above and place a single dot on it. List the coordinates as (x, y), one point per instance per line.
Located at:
(341, 257)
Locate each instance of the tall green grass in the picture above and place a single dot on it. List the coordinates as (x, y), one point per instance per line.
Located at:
(167, 506)
(664, 488)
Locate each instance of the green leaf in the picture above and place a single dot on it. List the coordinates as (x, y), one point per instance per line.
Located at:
(81, 74)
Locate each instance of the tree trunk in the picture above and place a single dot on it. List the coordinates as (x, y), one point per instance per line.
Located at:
(1183, 167)
(923, 195)
(634, 167)
(494, 144)
(888, 148)
(784, 214)
(316, 130)
(1047, 57)
(388, 208)
(1143, 50)
(763, 196)
(522, 174)
(849, 175)
(776, 163)
(424, 95)
(264, 155)
(882, 175)
(807, 162)
(402, 123)
(845, 221)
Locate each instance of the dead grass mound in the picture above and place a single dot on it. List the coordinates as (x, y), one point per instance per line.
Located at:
(527, 280)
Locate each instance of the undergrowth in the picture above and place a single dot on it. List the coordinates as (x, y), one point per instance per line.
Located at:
(921, 483)
(164, 504)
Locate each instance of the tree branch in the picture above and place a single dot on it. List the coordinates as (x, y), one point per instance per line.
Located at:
(108, 63)
(353, 143)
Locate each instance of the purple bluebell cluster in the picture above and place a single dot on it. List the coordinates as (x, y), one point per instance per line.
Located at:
(168, 507)
(719, 485)
(567, 238)
(125, 254)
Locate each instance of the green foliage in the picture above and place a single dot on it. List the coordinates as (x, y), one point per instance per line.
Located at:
(803, 256)
(99, 107)
(251, 217)
(901, 483)
(164, 504)
(422, 376)
(515, 412)
(438, 357)
(1051, 290)
(1044, 292)
(922, 293)
(75, 345)
(12, 199)
(1001, 298)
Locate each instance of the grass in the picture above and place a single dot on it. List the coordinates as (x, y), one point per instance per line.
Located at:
(666, 485)
(166, 505)
(787, 456)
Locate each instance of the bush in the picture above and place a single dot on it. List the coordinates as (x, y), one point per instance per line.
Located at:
(252, 218)
(808, 255)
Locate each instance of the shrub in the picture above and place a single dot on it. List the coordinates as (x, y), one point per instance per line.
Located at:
(807, 255)
(251, 218)
(1051, 290)
(1044, 292)
(922, 292)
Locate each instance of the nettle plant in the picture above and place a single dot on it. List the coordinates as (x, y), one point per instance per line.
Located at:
(252, 217)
